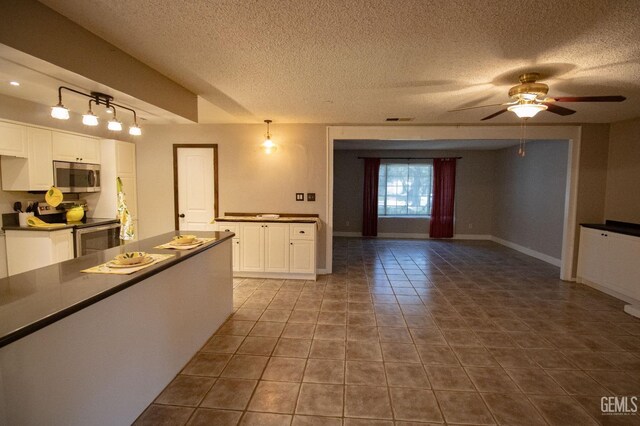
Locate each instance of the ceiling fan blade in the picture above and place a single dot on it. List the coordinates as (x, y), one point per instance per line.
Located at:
(557, 109)
(495, 114)
(590, 99)
(478, 106)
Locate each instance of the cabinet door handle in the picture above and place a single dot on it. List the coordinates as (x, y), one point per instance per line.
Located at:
(291, 243)
(301, 232)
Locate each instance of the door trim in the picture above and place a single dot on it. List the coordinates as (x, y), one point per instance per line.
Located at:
(176, 207)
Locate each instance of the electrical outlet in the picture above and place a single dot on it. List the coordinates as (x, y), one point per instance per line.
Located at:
(311, 196)
(299, 196)
(471, 226)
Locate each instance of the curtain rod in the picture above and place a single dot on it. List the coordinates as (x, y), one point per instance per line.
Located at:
(410, 158)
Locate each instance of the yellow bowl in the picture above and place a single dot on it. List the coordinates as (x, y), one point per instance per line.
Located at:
(131, 258)
(184, 239)
(75, 214)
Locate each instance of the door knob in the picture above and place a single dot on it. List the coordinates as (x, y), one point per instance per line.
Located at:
(181, 214)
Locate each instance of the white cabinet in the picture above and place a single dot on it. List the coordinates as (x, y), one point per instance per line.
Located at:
(302, 253)
(610, 260)
(27, 250)
(13, 140)
(34, 173)
(273, 250)
(75, 148)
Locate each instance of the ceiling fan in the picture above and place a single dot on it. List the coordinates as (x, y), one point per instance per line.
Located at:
(530, 97)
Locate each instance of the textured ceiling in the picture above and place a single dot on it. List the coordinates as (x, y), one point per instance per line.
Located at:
(360, 61)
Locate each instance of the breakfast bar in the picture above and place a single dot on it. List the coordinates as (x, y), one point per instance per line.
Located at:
(96, 348)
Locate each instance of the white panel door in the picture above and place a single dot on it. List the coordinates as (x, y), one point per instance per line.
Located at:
(252, 247)
(13, 140)
(195, 189)
(276, 243)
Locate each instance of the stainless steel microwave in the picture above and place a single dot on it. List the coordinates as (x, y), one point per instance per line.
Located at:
(76, 177)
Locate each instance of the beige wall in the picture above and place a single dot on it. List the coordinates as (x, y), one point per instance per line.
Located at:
(530, 196)
(33, 28)
(592, 177)
(623, 172)
(249, 180)
(474, 192)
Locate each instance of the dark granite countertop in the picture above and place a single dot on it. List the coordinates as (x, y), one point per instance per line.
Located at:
(259, 219)
(89, 222)
(625, 228)
(34, 299)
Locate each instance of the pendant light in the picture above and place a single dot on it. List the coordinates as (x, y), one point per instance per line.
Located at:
(90, 119)
(268, 145)
(114, 125)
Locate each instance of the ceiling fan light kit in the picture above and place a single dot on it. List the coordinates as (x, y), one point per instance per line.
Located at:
(530, 97)
(60, 112)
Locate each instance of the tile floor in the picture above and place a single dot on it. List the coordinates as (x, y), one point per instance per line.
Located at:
(412, 332)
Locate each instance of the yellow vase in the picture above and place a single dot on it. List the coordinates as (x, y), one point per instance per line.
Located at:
(75, 214)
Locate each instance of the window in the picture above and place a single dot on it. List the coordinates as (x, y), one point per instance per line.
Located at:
(405, 189)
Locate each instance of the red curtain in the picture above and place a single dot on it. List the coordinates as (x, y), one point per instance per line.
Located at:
(370, 197)
(444, 188)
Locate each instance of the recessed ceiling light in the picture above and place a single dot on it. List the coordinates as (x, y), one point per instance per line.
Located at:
(14, 83)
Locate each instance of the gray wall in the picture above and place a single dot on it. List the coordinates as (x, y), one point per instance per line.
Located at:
(474, 192)
(530, 196)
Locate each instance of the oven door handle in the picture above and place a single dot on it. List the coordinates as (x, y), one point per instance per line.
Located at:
(97, 228)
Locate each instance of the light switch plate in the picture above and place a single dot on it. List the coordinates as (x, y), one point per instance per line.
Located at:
(311, 196)
(299, 196)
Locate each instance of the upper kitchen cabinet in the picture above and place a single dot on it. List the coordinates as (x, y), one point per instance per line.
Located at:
(13, 140)
(34, 173)
(75, 148)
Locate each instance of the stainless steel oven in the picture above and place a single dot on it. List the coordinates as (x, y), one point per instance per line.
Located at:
(91, 239)
(76, 177)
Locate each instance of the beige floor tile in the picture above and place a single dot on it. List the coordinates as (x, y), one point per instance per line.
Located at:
(185, 390)
(265, 419)
(535, 381)
(164, 415)
(324, 371)
(327, 349)
(320, 399)
(464, 407)
(332, 318)
(298, 330)
(236, 328)
(448, 378)
(406, 375)
(303, 317)
(474, 357)
(330, 332)
(362, 332)
(298, 348)
(257, 345)
(267, 329)
(208, 417)
(275, 315)
(363, 351)
(491, 379)
(230, 394)
(512, 409)
(576, 382)
(245, 367)
(274, 397)
(315, 421)
(206, 364)
(394, 334)
(282, 369)
(562, 410)
(223, 344)
(365, 373)
(415, 405)
(367, 402)
(437, 355)
(399, 352)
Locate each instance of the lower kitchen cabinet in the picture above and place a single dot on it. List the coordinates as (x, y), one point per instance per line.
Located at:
(273, 250)
(610, 261)
(27, 250)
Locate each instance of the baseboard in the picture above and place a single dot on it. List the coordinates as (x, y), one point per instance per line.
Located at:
(633, 310)
(529, 252)
(322, 271)
(611, 292)
(279, 275)
(402, 235)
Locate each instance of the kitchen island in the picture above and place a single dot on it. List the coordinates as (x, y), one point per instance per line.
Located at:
(78, 348)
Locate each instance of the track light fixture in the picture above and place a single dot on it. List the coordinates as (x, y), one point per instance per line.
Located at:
(60, 112)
